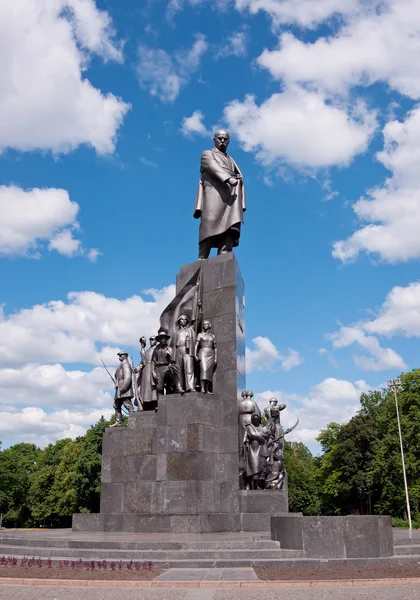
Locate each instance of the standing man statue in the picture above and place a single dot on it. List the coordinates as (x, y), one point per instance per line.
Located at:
(184, 353)
(220, 201)
(123, 388)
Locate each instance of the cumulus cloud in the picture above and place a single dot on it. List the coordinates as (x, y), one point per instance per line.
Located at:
(82, 329)
(301, 128)
(265, 356)
(37, 426)
(45, 101)
(391, 211)
(194, 125)
(164, 74)
(235, 45)
(375, 43)
(380, 358)
(399, 314)
(31, 217)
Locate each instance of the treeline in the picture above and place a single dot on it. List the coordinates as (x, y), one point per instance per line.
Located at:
(45, 487)
(359, 470)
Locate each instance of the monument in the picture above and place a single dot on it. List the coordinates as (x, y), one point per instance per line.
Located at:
(194, 456)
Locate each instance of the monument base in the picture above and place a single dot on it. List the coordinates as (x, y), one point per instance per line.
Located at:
(335, 537)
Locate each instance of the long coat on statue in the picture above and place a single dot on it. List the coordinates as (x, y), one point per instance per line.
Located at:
(123, 377)
(219, 205)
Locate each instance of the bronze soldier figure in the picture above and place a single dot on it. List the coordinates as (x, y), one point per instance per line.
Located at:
(164, 369)
(220, 201)
(123, 388)
(147, 387)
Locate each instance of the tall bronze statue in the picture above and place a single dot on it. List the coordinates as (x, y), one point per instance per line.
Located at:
(220, 201)
(206, 355)
(123, 388)
(184, 353)
(147, 386)
(164, 369)
(246, 408)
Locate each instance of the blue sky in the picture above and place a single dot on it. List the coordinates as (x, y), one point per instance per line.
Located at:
(105, 108)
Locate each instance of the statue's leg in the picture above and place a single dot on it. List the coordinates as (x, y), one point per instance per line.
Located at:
(203, 386)
(188, 364)
(204, 248)
(127, 405)
(118, 414)
(226, 243)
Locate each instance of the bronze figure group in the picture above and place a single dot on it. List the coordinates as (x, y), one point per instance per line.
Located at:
(261, 444)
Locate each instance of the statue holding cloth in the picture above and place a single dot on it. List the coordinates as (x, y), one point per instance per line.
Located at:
(220, 201)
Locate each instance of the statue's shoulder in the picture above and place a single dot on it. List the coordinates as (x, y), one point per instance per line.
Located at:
(207, 153)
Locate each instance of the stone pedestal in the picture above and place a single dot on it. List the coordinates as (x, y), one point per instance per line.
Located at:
(335, 537)
(177, 470)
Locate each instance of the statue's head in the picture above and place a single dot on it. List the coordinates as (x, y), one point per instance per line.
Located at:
(255, 419)
(162, 338)
(273, 402)
(152, 340)
(250, 394)
(221, 140)
(183, 321)
(122, 355)
(206, 325)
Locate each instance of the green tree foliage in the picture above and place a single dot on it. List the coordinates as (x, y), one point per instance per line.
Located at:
(302, 474)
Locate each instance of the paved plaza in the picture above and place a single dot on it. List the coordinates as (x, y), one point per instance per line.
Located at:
(406, 592)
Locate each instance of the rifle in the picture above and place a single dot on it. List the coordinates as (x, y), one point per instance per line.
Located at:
(136, 391)
(113, 380)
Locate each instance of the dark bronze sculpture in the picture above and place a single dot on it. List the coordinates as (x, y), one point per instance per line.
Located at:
(254, 440)
(246, 407)
(123, 388)
(164, 369)
(146, 384)
(220, 201)
(184, 343)
(206, 355)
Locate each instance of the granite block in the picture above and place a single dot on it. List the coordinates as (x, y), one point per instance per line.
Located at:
(225, 382)
(145, 523)
(224, 327)
(113, 441)
(324, 537)
(128, 469)
(202, 438)
(171, 439)
(264, 501)
(255, 522)
(363, 536)
(176, 497)
(112, 497)
(143, 420)
(228, 467)
(191, 408)
(185, 524)
(135, 443)
(181, 466)
(215, 522)
(229, 415)
(88, 522)
(386, 540)
(106, 469)
(113, 522)
(228, 442)
(209, 496)
(226, 357)
(137, 497)
(219, 272)
(229, 498)
(287, 531)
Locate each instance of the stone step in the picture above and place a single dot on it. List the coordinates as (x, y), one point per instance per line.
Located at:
(408, 549)
(143, 545)
(282, 562)
(407, 541)
(153, 555)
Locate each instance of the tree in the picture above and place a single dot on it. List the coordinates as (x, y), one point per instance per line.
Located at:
(302, 479)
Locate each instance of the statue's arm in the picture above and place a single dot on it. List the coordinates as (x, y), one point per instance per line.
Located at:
(213, 168)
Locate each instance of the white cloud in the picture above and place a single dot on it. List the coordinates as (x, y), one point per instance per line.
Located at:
(381, 358)
(265, 356)
(305, 13)
(164, 74)
(392, 211)
(299, 127)
(194, 125)
(31, 217)
(45, 102)
(52, 385)
(86, 327)
(235, 45)
(36, 426)
(376, 43)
